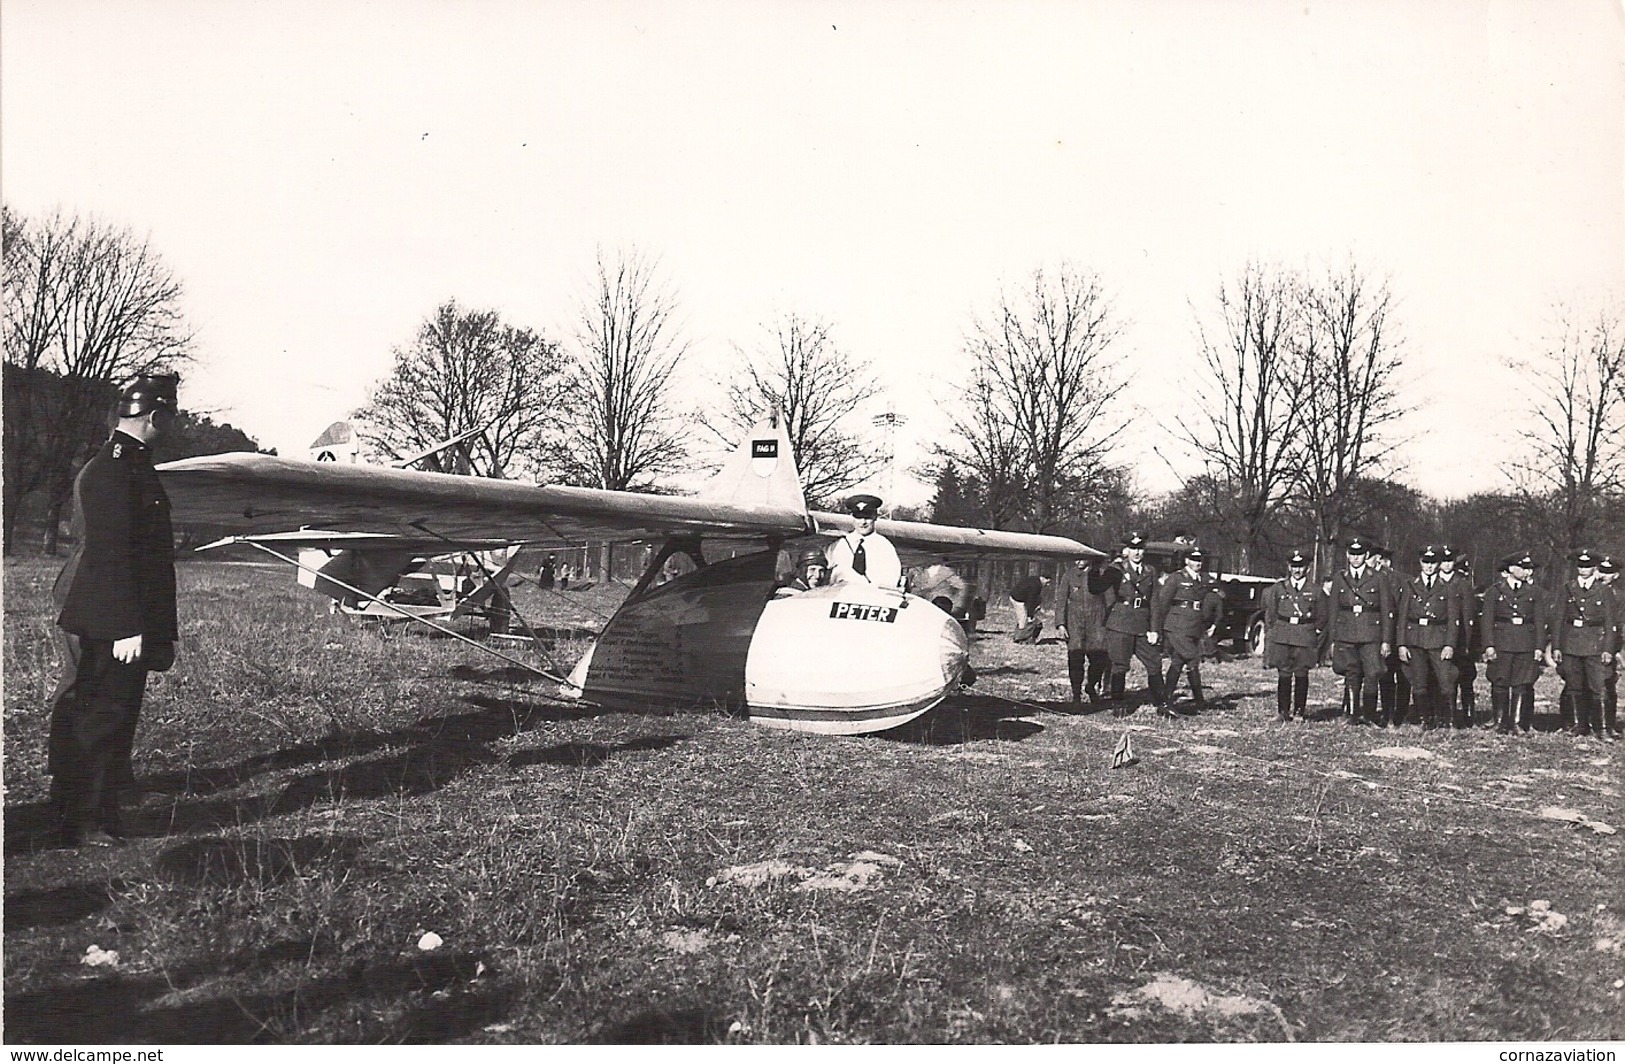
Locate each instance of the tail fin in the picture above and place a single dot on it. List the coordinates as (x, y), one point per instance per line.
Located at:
(761, 471)
(338, 443)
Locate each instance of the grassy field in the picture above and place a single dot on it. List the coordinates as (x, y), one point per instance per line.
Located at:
(320, 796)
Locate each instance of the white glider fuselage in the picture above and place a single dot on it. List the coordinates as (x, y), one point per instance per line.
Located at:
(840, 660)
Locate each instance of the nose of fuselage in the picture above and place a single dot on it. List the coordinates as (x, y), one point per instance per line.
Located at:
(954, 648)
(849, 648)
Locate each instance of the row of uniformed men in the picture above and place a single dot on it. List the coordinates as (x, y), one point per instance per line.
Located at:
(1396, 639)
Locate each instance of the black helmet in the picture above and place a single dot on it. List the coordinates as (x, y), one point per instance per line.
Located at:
(812, 554)
(149, 392)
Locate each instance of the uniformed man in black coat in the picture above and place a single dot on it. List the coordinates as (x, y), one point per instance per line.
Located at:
(1394, 691)
(1359, 613)
(1428, 631)
(1457, 574)
(1608, 573)
(120, 603)
(1185, 609)
(1513, 630)
(1294, 615)
(1129, 635)
(1584, 630)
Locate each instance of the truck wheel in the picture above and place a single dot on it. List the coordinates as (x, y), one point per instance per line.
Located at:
(1255, 637)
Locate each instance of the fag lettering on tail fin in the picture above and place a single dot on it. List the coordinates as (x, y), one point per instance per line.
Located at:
(761, 471)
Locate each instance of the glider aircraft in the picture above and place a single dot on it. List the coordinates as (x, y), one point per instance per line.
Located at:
(406, 580)
(846, 659)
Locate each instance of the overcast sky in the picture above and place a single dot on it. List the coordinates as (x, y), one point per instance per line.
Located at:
(322, 175)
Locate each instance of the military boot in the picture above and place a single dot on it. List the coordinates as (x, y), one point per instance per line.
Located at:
(1353, 699)
(1501, 707)
(1523, 698)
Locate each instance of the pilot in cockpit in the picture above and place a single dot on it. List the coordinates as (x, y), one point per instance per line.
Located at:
(811, 571)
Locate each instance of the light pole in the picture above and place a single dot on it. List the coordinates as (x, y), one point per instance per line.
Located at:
(888, 423)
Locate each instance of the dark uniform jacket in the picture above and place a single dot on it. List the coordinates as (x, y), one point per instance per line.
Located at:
(1293, 617)
(1128, 602)
(1514, 619)
(1583, 620)
(1429, 616)
(1185, 605)
(121, 580)
(1360, 608)
(1461, 586)
(1619, 618)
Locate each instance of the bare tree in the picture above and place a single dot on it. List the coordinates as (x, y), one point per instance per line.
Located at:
(465, 370)
(800, 371)
(1574, 457)
(1248, 403)
(623, 430)
(1033, 428)
(88, 305)
(1350, 356)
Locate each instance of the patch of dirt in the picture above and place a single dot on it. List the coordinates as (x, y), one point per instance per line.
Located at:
(751, 876)
(863, 871)
(1184, 997)
(686, 941)
(1574, 816)
(1404, 753)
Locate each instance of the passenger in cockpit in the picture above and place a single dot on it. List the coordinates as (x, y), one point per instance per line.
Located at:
(812, 570)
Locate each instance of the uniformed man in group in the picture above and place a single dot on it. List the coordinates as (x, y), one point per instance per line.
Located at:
(1358, 613)
(1608, 572)
(1294, 615)
(1080, 618)
(1129, 634)
(1456, 574)
(1394, 690)
(120, 603)
(1584, 631)
(1184, 610)
(1512, 629)
(1428, 630)
(863, 553)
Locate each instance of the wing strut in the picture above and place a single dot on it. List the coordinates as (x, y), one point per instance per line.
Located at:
(543, 673)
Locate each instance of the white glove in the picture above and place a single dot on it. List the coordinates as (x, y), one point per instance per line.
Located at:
(127, 649)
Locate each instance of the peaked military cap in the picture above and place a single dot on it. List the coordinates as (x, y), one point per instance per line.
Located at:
(863, 505)
(149, 392)
(1358, 546)
(1608, 565)
(1585, 559)
(1447, 553)
(1521, 558)
(1195, 554)
(1297, 559)
(1134, 539)
(1431, 554)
